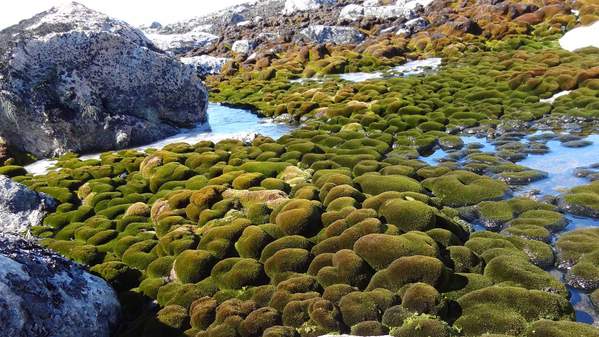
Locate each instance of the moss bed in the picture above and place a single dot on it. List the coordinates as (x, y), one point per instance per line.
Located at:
(337, 227)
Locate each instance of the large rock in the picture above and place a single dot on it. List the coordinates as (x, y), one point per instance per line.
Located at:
(242, 47)
(206, 64)
(20, 207)
(74, 79)
(402, 8)
(292, 6)
(42, 294)
(181, 43)
(331, 34)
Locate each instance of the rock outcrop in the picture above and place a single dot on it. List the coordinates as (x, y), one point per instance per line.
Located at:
(242, 47)
(181, 43)
(402, 8)
(42, 294)
(331, 34)
(20, 207)
(292, 6)
(73, 79)
(206, 64)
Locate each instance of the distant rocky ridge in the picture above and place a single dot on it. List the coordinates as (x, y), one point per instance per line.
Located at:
(266, 23)
(73, 79)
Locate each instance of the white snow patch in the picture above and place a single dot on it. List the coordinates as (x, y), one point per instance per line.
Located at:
(418, 66)
(41, 166)
(410, 68)
(581, 37)
(552, 99)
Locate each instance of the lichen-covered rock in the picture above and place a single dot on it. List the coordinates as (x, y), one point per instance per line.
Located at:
(293, 6)
(205, 64)
(242, 47)
(36, 284)
(20, 207)
(181, 43)
(332, 34)
(75, 79)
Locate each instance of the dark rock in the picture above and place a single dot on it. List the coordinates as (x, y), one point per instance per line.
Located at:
(72, 79)
(42, 294)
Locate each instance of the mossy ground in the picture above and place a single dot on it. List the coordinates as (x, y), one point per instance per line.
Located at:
(337, 227)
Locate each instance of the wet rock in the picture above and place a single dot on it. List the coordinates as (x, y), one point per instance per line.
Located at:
(332, 34)
(67, 85)
(20, 207)
(43, 294)
(577, 253)
(577, 143)
(582, 200)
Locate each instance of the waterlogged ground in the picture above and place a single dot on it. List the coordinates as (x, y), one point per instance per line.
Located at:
(223, 123)
(562, 164)
(361, 219)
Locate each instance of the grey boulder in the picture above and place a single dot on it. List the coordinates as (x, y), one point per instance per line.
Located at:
(42, 294)
(20, 207)
(206, 64)
(73, 79)
(331, 34)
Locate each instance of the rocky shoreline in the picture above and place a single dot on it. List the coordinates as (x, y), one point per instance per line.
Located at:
(380, 214)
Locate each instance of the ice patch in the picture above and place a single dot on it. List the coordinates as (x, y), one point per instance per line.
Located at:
(552, 99)
(581, 37)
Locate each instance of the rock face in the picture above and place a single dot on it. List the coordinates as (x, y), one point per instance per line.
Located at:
(42, 294)
(402, 8)
(332, 34)
(206, 64)
(181, 43)
(292, 6)
(20, 207)
(74, 79)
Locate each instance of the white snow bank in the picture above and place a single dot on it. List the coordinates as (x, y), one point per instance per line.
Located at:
(584, 36)
(552, 99)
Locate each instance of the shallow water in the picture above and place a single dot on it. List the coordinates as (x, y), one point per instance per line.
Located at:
(483, 145)
(223, 123)
(560, 163)
(410, 68)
